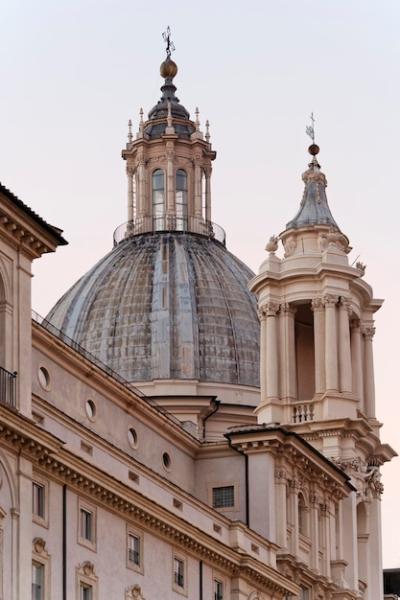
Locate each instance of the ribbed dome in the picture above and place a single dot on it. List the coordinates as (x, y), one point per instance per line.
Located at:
(166, 306)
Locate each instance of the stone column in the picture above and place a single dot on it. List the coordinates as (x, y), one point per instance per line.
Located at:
(357, 362)
(314, 530)
(130, 175)
(171, 210)
(197, 188)
(287, 353)
(368, 331)
(317, 307)
(326, 568)
(281, 513)
(272, 366)
(344, 346)
(142, 189)
(262, 315)
(208, 195)
(24, 550)
(331, 349)
(294, 510)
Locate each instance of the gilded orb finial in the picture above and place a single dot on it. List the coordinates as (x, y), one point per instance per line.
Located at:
(310, 131)
(168, 68)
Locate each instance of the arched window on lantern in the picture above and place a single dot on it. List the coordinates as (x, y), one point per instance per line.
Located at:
(303, 516)
(158, 200)
(181, 200)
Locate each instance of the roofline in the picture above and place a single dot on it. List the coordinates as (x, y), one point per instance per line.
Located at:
(51, 229)
(264, 428)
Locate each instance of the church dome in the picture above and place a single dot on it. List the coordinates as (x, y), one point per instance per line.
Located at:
(166, 305)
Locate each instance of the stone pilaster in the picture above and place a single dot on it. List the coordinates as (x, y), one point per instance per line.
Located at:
(272, 365)
(130, 175)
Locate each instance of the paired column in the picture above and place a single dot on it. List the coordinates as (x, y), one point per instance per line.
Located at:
(197, 189)
(344, 346)
(287, 353)
(331, 348)
(130, 175)
(314, 526)
(272, 365)
(281, 513)
(208, 195)
(368, 331)
(142, 189)
(357, 361)
(170, 180)
(317, 306)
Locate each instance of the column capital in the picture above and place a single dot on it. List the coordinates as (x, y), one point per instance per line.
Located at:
(317, 304)
(330, 300)
(355, 324)
(287, 308)
(368, 331)
(269, 309)
(345, 304)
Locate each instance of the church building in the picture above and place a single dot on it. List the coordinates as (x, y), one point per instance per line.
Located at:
(176, 426)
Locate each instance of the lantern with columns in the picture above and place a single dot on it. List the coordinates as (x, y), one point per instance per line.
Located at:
(168, 166)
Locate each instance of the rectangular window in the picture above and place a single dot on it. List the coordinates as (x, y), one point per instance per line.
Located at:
(37, 581)
(223, 497)
(134, 549)
(86, 592)
(86, 525)
(179, 572)
(218, 590)
(38, 492)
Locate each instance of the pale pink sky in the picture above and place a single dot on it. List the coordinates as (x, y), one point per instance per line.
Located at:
(73, 71)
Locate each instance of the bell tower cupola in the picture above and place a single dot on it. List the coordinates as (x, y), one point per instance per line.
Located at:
(316, 314)
(168, 165)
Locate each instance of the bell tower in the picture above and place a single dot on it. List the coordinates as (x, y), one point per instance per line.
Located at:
(316, 366)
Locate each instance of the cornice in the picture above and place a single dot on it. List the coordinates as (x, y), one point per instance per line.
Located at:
(90, 481)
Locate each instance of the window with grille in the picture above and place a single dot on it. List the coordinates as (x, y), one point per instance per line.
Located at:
(179, 572)
(218, 590)
(37, 581)
(38, 492)
(134, 549)
(86, 592)
(86, 525)
(223, 497)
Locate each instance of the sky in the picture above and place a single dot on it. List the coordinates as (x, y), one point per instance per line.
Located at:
(73, 72)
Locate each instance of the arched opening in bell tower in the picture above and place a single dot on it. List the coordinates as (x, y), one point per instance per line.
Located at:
(304, 349)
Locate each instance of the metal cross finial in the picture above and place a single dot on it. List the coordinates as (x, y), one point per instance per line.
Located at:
(170, 47)
(310, 129)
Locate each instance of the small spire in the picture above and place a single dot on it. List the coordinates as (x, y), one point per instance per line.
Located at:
(314, 208)
(197, 121)
(141, 124)
(207, 136)
(130, 136)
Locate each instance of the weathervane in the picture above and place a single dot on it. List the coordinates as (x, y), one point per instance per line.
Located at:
(310, 129)
(168, 42)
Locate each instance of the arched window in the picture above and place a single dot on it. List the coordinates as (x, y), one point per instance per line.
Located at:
(181, 206)
(303, 516)
(158, 200)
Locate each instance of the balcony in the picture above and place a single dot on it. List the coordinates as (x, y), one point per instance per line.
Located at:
(169, 223)
(7, 388)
